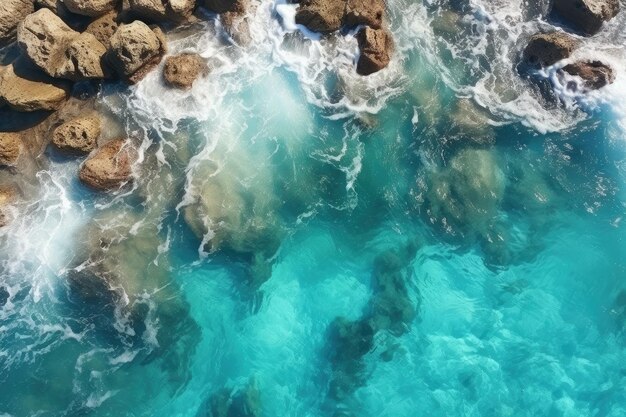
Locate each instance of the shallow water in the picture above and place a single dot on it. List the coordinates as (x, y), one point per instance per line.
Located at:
(441, 238)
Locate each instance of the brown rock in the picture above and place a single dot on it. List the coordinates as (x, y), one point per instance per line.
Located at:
(104, 27)
(135, 50)
(58, 50)
(236, 26)
(78, 136)
(182, 70)
(321, 15)
(223, 6)
(545, 49)
(376, 48)
(92, 8)
(25, 88)
(595, 74)
(109, 167)
(160, 10)
(365, 12)
(586, 15)
(10, 148)
(12, 12)
(7, 197)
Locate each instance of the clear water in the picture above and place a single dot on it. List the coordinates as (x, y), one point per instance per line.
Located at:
(439, 239)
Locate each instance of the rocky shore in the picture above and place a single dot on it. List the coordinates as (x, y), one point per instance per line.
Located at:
(50, 49)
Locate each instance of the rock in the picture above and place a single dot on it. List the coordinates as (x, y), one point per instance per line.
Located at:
(365, 12)
(182, 70)
(586, 15)
(236, 26)
(159, 10)
(58, 50)
(4, 294)
(376, 47)
(79, 135)
(223, 6)
(545, 49)
(109, 167)
(12, 12)
(92, 8)
(321, 15)
(104, 27)
(10, 148)
(25, 88)
(7, 197)
(595, 74)
(135, 50)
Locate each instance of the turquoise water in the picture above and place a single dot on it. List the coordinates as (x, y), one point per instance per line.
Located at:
(439, 239)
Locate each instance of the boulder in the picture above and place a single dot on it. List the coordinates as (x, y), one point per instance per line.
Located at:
(104, 27)
(10, 148)
(321, 15)
(58, 50)
(182, 70)
(545, 49)
(12, 12)
(365, 12)
(7, 197)
(376, 48)
(595, 74)
(223, 6)
(586, 16)
(109, 167)
(25, 88)
(92, 8)
(160, 10)
(236, 26)
(135, 50)
(78, 136)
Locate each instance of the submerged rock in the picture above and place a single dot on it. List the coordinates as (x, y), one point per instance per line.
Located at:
(586, 15)
(25, 88)
(4, 294)
(159, 10)
(595, 74)
(180, 71)
(244, 402)
(545, 49)
(79, 135)
(10, 148)
(376, 48)
(12, 12)
(58, 50)
(109, 167)
(135, 50)
(92, 8)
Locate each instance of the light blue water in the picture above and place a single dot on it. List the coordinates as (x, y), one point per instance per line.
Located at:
(302, 242)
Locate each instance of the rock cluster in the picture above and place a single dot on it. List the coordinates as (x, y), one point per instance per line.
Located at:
(12, 12)
(586, 17)
(375, 42)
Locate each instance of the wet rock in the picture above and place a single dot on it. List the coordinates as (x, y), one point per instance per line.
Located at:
(58, 50)
(586, 15)
(323, 16)
(25, 88)
(376, 48)
(223, 6)
(236, 26)
(160, 10)
(104, 27)
(78, 136)
(12, 12)
(545, 49)
(365, 12)
(10, 148)
(180, 71)
(7, 197)
(92, 8)
(109, 167)
(595, 74)
(135, 50)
